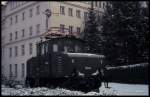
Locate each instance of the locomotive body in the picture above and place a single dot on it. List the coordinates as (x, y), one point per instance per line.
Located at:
(63, 58)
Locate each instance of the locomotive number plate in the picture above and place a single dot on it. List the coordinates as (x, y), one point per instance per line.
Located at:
(87, 68)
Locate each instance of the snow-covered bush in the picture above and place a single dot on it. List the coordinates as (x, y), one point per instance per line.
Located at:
(136, 73)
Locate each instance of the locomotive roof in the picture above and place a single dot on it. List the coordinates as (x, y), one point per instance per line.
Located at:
(69, 38)
(84, 55)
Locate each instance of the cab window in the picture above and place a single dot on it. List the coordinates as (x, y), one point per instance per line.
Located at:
(65, 49)
(55, 48)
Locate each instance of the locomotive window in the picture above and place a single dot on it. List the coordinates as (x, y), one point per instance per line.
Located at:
(46, 48)
(65, 49)
(42, 49)
(55, 48)
(77, 49)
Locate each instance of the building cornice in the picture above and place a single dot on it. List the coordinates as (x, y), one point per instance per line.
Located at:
(13, 42)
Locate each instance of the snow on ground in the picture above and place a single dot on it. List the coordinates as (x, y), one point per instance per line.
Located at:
(130, 89)
(116, 89)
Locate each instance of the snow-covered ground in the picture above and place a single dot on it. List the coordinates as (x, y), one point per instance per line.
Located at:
(130, 89)
(116, 89)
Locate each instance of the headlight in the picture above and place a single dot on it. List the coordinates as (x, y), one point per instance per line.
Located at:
(81, 74)
(95, 73)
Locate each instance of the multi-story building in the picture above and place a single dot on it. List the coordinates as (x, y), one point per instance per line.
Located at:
(24, 22)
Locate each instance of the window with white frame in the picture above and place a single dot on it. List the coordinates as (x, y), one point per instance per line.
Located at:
(23, 69)
(70, 29)
(30, 12)
(62, 28)
(70, 11)
(10, 52)
(38, 28)
(23, 32)
(96, 3)
(78, 29)
(11, 19)
(16, 35)
(10, 36)
(85, 16)
(62, 10)
(78, 13)
(23, 16)
(30, 48)
(23, 49)
(16, 19)
(100, 4)
(16, 70)
(10, 70)
(38, 10)
(16, 50)
(30, 30)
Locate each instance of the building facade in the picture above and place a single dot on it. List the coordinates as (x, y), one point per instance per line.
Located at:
(24, 22)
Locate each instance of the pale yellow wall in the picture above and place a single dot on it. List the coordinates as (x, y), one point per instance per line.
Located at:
(57, 19)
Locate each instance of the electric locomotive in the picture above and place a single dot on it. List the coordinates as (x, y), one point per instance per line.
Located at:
(62, 61)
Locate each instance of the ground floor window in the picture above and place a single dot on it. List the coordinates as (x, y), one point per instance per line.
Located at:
(23, 69)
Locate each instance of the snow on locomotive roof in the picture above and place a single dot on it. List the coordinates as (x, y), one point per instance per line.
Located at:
(84, 54)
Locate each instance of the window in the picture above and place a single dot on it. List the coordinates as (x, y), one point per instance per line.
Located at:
(23, 32)
(62, 10)
(23, 16)
(30, 13)
(16, 18)
(55, 48)
(38, 28)
(38, 10)
(30, 48)
(85, 15)
(78, 13)
(30, 30)
(16, 50)
(11, 21)
(16, 70)
(10, 38)
(10, 70)
(96, 3)
(65, 49)
(42, 49)
(16, 35)
(76, 48)
(23, 49)
(70, 29)
(70, 12)
(46, 48)
(103, 5)
(100, 4)
(23, 69)
(78, 29)
(10, 52)
(62, 27)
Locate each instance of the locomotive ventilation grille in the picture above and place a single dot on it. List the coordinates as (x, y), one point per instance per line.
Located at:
(59, 65)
